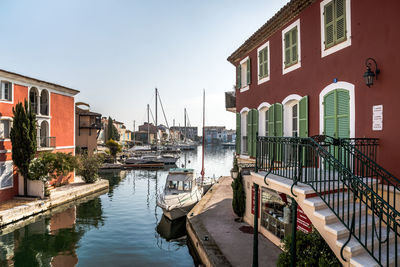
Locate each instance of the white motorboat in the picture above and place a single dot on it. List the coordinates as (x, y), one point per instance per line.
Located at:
(180, 194)
(167, 159)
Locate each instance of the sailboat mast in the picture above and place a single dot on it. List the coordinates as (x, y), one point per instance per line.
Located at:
(184, 114)
(156, 119)
(202, 155)
(148, 124)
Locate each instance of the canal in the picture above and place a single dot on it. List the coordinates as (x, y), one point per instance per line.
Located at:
(121, 227)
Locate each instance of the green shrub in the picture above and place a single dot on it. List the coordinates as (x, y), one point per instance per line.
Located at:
(49, 166)
(88, 167)
(239, 198)
(311, 250)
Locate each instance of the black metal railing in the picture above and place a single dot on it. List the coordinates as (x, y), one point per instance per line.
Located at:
(346, 180)
(46, 142)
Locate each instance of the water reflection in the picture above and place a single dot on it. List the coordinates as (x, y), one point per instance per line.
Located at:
(171, 230)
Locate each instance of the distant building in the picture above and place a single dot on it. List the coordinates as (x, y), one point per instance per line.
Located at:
(214, 134)
(87, 129)
(188, 132)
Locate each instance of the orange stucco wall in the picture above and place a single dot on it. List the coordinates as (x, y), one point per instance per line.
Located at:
(62, 119)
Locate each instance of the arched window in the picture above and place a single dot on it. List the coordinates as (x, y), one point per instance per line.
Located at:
(44, 102)
(44, 134)
(33, 99)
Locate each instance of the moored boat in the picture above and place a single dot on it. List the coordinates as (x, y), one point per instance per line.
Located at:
(181, 193)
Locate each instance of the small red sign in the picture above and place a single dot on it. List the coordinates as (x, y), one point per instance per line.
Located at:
(303, 223)
(252, 200)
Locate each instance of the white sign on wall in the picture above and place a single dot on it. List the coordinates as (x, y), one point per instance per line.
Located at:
(377, 118)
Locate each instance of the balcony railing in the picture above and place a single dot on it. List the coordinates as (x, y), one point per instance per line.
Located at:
(46, 142)
(230, 101)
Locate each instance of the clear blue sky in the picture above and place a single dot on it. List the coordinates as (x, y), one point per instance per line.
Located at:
(116, 52)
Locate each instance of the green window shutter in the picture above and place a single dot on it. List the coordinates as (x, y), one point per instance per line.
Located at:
(329, 25)
(287, 48)
(343, 113)
(260, 63)
(265, 60)
(330, 114)
(249, 131)
(254, 130)
(248, 72)
(303, 117)
(239, 76)
(271, 120)
(278, 119)
(294, 45)
(340, 20)
(238, 135)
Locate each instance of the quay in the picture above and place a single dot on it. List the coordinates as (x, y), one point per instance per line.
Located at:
(20, 208)
(218, 239)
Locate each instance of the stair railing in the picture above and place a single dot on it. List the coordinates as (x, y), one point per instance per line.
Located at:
(323, 164)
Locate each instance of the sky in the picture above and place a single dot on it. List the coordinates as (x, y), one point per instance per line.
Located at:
(117, 52)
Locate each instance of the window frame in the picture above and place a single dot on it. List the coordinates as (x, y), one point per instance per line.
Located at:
(287, 69)
(339, 46)
(2, 91)
(10, 123)
(260, 79)
(244, 85)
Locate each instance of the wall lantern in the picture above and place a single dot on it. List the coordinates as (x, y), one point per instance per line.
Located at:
(369, 74)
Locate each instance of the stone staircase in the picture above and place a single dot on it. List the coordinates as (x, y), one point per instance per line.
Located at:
(333, 230)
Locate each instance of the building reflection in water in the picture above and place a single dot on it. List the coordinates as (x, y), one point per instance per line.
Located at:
(52, 240)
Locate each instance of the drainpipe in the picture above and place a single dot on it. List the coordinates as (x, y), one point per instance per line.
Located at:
(255, 227)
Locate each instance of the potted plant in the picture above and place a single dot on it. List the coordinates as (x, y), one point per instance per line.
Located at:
(235, 169)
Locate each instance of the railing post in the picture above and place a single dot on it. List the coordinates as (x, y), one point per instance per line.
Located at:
(293, 256)
(255, 227)
(257, 152)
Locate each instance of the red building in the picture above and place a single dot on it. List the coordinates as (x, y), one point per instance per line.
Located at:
(306, 72)
(54, 106)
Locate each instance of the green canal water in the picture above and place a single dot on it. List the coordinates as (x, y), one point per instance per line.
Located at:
(121, 227)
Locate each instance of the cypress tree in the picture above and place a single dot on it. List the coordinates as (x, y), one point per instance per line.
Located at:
(23, 139)
(239, 198)
(112, 132)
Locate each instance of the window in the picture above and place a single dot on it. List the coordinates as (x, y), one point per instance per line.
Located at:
(294, 120)
(44, 103)
(33, 99)
(291, 51)
(291, 47)
(6, 174)
(5, 126)
(243, 74)
(335, 25)
(263, 63)
(6, 91)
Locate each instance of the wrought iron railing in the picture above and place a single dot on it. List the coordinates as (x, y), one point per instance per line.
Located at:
(46, 142)
(345, 179)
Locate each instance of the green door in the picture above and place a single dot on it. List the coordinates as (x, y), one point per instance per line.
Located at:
(249, 132)
(254, 131)
(337, 118)
(337, 114)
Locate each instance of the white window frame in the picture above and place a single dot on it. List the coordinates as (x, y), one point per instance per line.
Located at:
(262, 108)
(243, 75)
(10, 120)
(298, 64)
(288, 103)
(344, 44)
(12, 174)
(243, 127)
(265, 79)
(2, 100)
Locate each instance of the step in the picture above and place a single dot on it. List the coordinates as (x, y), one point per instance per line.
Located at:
(365, 259)
(354, 247)
(328, 216)
(340, 231)
(318, 203)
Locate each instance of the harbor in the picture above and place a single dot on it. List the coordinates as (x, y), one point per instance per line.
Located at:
(122, 224)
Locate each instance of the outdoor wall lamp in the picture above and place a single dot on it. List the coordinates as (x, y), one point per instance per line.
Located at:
(369, 74)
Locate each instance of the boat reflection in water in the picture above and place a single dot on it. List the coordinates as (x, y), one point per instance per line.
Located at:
(172, 230)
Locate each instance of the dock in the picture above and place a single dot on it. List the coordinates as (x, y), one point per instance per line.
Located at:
(218, 239)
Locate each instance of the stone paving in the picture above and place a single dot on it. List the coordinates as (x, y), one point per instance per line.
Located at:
(213, 222)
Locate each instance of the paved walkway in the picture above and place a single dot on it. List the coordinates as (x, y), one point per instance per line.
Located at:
(217, 217)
